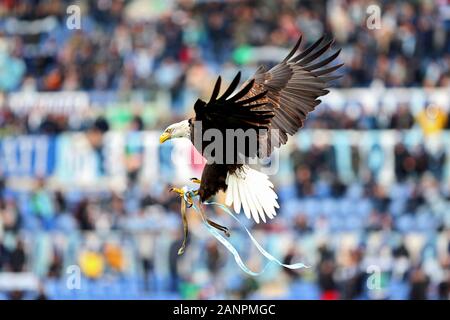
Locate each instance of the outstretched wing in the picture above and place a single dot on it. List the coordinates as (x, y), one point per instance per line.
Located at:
(241, 110)
(293, 87)
(277, 100)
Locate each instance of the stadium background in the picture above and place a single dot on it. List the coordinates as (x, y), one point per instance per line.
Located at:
(364, 188)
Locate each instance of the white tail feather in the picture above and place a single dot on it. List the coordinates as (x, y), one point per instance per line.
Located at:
(253, 191)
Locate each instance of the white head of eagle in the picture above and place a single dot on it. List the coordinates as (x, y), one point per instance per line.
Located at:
(276, 100)
(180, 129)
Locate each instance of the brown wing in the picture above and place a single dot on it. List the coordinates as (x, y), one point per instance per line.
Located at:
(232, 111)
(241, 110)
(293, 87)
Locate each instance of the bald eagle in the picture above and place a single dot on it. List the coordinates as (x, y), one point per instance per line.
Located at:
(273, 103)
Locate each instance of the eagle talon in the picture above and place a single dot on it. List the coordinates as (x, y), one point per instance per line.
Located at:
(227, 233)
(182, 193)
(218, 227)
(177, 190)
(195, 180)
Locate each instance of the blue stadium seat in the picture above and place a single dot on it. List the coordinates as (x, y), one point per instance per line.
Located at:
(302, 290)
(293, 207)
(312, 207)
(329, 206)
(398, 290)
(346, 207)
(397, 207)
(405, 223)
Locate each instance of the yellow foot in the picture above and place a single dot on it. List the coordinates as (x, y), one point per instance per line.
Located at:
(183, 193)
(177, 190)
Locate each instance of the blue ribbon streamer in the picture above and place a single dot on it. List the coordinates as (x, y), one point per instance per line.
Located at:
(232, 249)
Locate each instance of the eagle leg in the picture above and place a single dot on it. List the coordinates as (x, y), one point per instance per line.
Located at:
(214, 224)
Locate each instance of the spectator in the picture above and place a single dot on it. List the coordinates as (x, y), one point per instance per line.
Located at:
(17, 258)
(419, 285)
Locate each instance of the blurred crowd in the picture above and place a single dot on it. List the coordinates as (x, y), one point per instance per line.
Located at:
(177, 46)
(143, 44)
(363, 239)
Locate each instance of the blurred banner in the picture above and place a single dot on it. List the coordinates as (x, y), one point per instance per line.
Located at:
(72, 159)
(356, 101)
(18, 281)
(48, 102)
(27, 156)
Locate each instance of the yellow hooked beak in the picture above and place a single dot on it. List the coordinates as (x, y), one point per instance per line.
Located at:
(164, 137)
